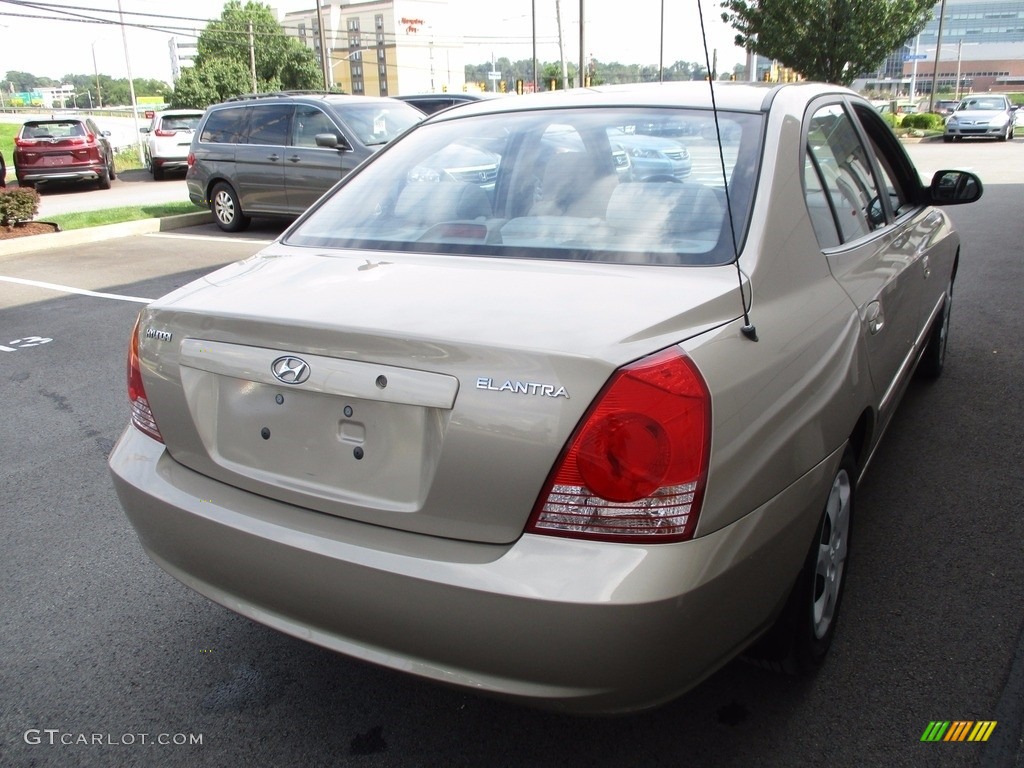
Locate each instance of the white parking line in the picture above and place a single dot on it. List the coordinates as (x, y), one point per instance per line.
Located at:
(69, 289)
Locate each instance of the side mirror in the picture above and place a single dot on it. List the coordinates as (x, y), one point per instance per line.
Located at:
(954, 188)
(332, 141)
(144, 130)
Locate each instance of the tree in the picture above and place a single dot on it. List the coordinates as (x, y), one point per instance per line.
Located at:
(221, 68)
(832, 41)
(215, 81)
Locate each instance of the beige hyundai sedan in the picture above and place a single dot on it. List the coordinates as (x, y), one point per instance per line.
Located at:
(561, 432)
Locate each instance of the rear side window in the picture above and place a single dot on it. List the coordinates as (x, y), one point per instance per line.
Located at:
(843, 170)
(268, 124)
(225, 126)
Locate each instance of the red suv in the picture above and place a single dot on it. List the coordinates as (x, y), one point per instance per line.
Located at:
(63, 149)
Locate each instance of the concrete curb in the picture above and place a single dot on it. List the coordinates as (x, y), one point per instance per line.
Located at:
(20, 245)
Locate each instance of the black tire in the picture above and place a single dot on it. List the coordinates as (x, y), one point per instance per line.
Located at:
(947, 139)
(158, 172)
(933, 360)
(800, 638)
(113, 170)
(104, 180)
(227, 211)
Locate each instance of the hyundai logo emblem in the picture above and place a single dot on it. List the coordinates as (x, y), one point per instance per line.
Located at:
(290, 370)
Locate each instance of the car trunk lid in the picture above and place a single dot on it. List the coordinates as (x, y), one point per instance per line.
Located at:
(429, 394)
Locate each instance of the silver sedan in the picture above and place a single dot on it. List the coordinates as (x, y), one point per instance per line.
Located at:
(557, 434)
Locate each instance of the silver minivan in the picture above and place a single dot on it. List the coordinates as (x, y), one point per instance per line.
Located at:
(276, 154)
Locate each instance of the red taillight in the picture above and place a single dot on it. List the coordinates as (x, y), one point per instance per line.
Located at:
(191, 159)
(25, 142)
(142, 416)
(161, 132)
(636, 465)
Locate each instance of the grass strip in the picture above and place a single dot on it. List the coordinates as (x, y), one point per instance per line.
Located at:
(84, 219)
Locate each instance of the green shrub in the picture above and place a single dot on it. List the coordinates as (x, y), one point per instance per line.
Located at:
(20, 204)
(924, 121)
(891, 119)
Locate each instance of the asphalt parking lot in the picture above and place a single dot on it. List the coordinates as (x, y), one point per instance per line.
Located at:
(97, 643)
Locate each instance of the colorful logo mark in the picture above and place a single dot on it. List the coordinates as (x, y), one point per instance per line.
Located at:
(958, 730)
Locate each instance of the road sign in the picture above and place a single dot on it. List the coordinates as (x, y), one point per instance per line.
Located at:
(494, 75)
(915, 56)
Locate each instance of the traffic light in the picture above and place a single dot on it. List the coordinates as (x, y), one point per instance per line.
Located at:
(444, 88)
(519, 86)
(501, 85)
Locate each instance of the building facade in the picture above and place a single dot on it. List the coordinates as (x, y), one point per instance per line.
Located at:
(982, 49)
(384, 47)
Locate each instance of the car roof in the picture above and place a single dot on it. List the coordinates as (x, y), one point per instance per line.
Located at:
(746, 97)
(309, 97)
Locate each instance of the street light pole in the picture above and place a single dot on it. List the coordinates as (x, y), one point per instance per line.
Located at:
(938, 49)
(959, 55)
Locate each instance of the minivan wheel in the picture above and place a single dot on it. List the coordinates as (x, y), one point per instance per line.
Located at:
(227, 211)
(104, 179)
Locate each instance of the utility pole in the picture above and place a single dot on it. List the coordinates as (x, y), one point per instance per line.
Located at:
(252, 57)
(561, 45)
(131, 82)
(583, 46)
(323, 44)
(533, 16)
(99, 91)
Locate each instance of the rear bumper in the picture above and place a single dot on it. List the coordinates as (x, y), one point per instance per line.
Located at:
(571, 625)
(61, 173)
(170, 163)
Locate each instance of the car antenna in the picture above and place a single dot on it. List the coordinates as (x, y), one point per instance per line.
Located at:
(748, 328)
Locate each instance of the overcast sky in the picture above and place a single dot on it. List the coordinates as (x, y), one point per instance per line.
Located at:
(627, 32)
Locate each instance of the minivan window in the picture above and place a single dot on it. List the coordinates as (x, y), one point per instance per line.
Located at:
(307, 123)
(225, 126)
(268, 124)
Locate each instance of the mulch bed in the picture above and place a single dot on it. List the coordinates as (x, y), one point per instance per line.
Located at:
(26, 229)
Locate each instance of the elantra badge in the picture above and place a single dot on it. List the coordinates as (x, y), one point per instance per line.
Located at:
(290, 370)
(522, 387)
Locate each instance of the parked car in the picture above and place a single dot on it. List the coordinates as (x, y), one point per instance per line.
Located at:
(487, 437)
(275, 154)
(986, 115)
(167, 140)
(429, 103)
(946, 107)
(653, 156)
(63, 149)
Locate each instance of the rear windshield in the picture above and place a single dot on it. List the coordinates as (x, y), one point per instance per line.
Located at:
(629, 185)
(53, 129)
(179, 122)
